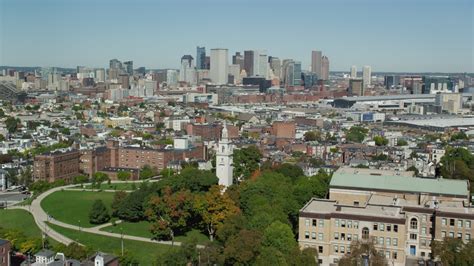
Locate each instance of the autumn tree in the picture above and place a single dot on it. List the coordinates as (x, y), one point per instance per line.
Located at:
(214, 207)
(243, 247)
(169, 213)
(360, 251)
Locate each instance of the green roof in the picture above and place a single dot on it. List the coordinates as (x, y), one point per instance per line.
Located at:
(400, 183)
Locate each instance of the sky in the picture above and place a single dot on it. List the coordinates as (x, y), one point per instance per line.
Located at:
(388, 35)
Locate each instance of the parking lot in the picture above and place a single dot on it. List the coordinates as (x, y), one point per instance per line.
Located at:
(11, 198)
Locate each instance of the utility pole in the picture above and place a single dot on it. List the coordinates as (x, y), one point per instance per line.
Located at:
(121, 237)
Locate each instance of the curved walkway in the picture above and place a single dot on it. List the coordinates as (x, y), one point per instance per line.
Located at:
(41, 219)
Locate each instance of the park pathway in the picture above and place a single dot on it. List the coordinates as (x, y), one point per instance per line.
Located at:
(42, 219)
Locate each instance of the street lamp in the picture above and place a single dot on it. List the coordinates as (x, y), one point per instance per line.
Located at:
(121, 238)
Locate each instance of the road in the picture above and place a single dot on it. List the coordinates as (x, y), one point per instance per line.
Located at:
(41, 217)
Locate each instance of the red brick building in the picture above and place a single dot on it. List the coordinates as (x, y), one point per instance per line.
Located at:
(5, 248)
(284, 129)
(61, 164)
(211, 131)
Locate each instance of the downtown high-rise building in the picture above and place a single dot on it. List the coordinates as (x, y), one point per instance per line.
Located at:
(275, 65)
(316, 63)
(128, 67)
(99, 75)
(260, 63)
(219, 66)
(325, 68)
(238, 59)
(115, 64)
(353, 72)
(187, 71)
(367, 76)
(201, 57)
(249, 62)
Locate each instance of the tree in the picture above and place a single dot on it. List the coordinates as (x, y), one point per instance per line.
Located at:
(246, 161)
(313, 186)
(401, 142)
(2, 137)
(26, 176)
(12, 124)
(119, 197)
(458, 163)
(214, 207)
(279, 236)
(243, 247)
(98, 178)
(453, 251)
(99, 213)
(123, 175)
(414, 169)
(380, 141)
(132, 207)
(191, 179)
(360, 249)
(459, 136)
(169, 213)
(148, 172)
(290, 170)
(80, 179)
(356, 134)
(312, 136)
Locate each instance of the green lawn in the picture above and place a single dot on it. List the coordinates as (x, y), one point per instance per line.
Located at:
(20, 220)
(146, 253)
(73, 207)
(23, 221)
(142, 229)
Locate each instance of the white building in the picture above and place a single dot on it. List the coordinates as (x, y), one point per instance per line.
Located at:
(367, 76)
(353, 72)
(187, 72)
(171, 77)
(219, 65)
(224, 161)
(100, 75)
(234, 70)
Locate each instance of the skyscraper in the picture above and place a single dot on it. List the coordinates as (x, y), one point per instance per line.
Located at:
(356, 87)
(238, 59)
(100, 75)
(115, 64)
(275, 65)
(325, 68)
(219, 65)
(249, 62)
(316, 62)
(129, 67)
(201, 57)
(297, 74)
(186, 72)
(260, 66)
(353, 72)
(367, 76)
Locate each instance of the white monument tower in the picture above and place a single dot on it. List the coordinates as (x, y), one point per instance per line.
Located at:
(224, 168)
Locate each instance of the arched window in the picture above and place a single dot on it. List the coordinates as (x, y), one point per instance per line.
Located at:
(413, 223)
(365, 233)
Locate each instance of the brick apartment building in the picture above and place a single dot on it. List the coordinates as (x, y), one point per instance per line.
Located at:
(209, 132)
(284, 129)
(61, 164)
(95, 160)
(5, 248)
(399, 213)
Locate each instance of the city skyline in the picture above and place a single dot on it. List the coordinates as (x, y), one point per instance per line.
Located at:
(411, 37)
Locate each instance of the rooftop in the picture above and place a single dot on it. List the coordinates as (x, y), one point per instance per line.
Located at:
(368, 179)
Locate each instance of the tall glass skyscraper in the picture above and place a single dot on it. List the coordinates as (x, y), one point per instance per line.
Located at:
(201, 57)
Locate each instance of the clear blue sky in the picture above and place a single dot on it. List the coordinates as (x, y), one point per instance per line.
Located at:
(389, 35)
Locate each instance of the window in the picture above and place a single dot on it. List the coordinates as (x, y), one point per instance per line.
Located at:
(468, 224)
(423, 230)
(382, 227)
(387, 254)
(349, 237)
(394, 255)
(343, 223)
(388, 241)
(389, 228)
(315, 222)
(451, 222)
(343, 236)
(349, 224)
(306, 222)
(321, 223)
(395, 228)
(413, 223)
(356, 237)
(356, 225)
(451, 234)
(320, 236)
(423, 218)
(306, 235)
(336, 236)
(336, 248)
(356, 203)
(376, 226)
(320, 249)
(460, 223)
(423, 242)
(423, 254)
(336, 222)
(467, 237)
(443, 221)
(381, 240)
(365, 233)
(443, 234)
(313, 235)
(343, 249)
(413, 236)
(459, 235)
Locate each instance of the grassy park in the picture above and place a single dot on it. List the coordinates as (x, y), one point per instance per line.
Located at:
(142, 229)
(19, 220)
(146, 253)
(116, 186)
(73, 207)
